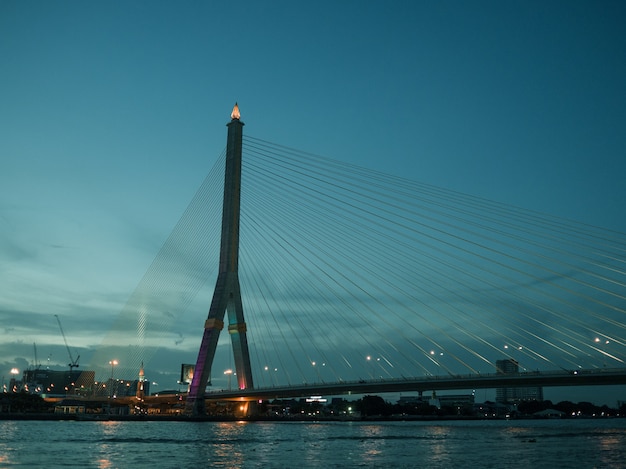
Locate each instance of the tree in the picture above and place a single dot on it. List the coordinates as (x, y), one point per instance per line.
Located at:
(373, 405)
(532, 407)
(567, 407)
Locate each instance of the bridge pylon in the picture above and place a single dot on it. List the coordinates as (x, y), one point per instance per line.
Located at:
(227, 294)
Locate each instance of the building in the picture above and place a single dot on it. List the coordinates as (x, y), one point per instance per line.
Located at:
(515, 395)
(460, 402)
(122, 388)
(70, 406)
(53, 383)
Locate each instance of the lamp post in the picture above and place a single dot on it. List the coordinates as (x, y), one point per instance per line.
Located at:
(368, 359)
(598, 341)
(228, 373)
(112, 363)
(13, 384)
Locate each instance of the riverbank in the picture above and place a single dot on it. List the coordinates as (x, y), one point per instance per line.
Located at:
(295, 418)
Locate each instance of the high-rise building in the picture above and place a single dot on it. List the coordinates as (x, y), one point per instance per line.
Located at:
(515, 395)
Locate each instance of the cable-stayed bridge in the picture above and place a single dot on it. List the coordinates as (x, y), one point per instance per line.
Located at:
(349, 275)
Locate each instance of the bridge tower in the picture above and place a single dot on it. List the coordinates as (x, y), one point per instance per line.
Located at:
(227, 294)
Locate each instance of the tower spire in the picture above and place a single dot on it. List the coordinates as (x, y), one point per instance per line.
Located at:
(140, 383)
(227, 293)
(235, 114)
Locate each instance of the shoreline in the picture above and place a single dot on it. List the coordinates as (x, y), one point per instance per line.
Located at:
(209, 418)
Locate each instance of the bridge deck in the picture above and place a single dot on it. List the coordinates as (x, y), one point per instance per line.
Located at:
(595, 377)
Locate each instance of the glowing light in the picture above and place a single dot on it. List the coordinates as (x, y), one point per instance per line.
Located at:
(319, 399)
(235, 114)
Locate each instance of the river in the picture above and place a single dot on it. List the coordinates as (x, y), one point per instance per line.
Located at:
(585, 443)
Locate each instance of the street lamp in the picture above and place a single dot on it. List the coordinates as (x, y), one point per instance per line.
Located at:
(14, 373)
(229, 373)
(597, 340)
(112, 363)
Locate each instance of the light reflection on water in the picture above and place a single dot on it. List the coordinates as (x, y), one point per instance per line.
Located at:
(373, 443)
(227, 452)
(438, 453)
(516, 444)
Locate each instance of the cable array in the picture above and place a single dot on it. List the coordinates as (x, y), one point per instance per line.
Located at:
(357, 274)
(153, 318)
(352, 274)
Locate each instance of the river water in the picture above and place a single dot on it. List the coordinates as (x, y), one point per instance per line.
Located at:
(455, 444)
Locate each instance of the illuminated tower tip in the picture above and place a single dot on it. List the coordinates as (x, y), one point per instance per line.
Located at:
(235, 114)
(141, 392)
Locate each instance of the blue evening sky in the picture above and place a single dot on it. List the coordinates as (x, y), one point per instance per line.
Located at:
(112, 113)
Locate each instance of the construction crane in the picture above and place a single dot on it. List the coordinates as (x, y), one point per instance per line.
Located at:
(73, 363)
(37, 364)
